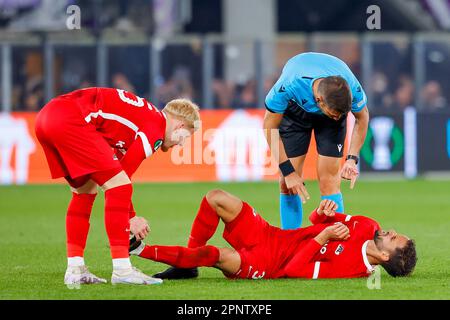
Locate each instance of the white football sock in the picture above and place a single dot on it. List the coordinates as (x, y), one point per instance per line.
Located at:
(75, 261)
(122, 263)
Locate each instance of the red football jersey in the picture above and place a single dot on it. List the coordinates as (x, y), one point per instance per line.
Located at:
(336, 259)
(121, 117)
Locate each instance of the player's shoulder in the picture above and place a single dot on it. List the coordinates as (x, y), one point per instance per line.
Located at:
(153, 119)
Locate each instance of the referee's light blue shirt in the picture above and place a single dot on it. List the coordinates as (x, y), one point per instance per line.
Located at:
(298, 76)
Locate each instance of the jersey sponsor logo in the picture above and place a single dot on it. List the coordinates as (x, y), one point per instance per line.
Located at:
(304, 101)
(339, 147)
(282, 89)
(358, 89)
(157, 144)
(324, 248)
(339, 250)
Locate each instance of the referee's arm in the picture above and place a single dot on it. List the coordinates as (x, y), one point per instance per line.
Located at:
(359, 131)
(349, 170)
(272, 122)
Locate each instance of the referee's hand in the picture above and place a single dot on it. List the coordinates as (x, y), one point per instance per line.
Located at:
(350, 172)
(296, 186)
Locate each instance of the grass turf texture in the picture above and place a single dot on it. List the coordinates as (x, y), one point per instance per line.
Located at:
(32, 242)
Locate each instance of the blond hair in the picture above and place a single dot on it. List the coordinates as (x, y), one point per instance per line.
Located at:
(184, 109)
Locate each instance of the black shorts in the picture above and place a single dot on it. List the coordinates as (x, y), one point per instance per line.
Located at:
(296, 128)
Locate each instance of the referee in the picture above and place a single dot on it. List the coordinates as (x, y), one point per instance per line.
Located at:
(314, 91)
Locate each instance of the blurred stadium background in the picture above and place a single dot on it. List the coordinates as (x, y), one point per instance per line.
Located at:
(226, 55)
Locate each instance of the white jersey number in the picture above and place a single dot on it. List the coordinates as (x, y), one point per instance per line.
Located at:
(138, 103)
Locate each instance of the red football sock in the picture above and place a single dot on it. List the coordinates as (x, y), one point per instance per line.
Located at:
(77, 223)
(204, 225)
(117, 208)
(182, 257)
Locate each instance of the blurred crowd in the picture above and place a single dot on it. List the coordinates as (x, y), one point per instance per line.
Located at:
(391, 87)
(74, 71)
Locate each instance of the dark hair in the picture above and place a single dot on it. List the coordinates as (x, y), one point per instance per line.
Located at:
(402, 262)
(336, 92)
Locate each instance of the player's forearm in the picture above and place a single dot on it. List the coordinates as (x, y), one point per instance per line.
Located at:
(321, 239)
(131, 161)
(306, 253)
(359, 132)
(271, 132)
(317, 218)
(299, 265)
(275, 144)
(278, 151)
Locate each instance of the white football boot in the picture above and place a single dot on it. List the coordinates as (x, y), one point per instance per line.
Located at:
(81, 275)
(132, 276)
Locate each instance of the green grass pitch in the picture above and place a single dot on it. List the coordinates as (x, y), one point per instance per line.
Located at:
(32, 242)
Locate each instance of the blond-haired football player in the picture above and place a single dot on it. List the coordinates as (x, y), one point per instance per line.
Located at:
(99, 137)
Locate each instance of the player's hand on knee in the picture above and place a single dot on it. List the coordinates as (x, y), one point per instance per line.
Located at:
(296, 185)
(139, 227)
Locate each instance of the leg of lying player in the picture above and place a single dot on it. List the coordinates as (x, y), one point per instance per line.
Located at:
(118, 192)
(77, 228)
(226, 259)
(217, 204)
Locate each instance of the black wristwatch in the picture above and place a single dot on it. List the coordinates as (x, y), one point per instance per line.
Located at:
(350, 156)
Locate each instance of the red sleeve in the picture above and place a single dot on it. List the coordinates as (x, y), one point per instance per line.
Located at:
(316, 218)
(302, 259)
(133, 158)
(302, 265)
(152, 135)
(323, 270)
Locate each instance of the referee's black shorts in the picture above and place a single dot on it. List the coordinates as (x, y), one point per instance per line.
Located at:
(296, 128)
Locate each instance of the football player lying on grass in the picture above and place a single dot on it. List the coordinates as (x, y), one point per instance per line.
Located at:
(335, 246)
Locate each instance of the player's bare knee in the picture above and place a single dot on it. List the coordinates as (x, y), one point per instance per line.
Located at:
(89, 188)
(229, 260)
(215, 197)
(118, 180)
(224, 254)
